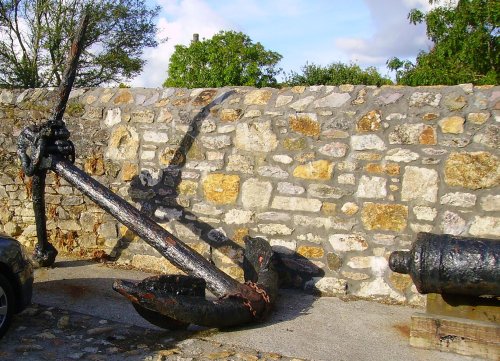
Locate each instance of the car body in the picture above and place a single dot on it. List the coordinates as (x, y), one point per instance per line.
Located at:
(16, 280)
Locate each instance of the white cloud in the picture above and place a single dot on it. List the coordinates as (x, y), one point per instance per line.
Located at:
(189, 17)
(392, 34)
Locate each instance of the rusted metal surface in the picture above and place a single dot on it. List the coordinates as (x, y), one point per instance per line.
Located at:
(449, 264)
(171, 302)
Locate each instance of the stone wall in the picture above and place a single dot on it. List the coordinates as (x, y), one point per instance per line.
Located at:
(334, 177)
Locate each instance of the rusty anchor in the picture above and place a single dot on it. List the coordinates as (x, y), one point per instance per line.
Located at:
(168, 301)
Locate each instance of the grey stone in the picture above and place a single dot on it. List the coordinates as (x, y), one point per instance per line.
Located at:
(458, 199)
(325, 191)
(401, 155)
(333, 100)
(255, 194)
(272, 172)
(296, 204)
(290, 188)
(419, 184)
(255, 137)
(301, 105)
(367, 142)
(453, 224)
(491, 203)
(372, 187)
(216, 142)
(485, 227)
(336, 149)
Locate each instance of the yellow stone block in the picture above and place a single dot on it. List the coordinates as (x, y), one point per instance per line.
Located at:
(388, 217)
(472, 170)
(311, 251)
(129, 171)
(453, 124)
(258, 97)
(187, 188)
(320, 169)
(230, 115)
(221, 188)
(304, 124)
(370, 122)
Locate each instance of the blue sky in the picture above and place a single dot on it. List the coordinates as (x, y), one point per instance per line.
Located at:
(367, 32)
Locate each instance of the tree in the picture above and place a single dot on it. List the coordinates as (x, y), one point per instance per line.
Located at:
(336, 74)
(228, 58)
(35, 36)
(466, 45)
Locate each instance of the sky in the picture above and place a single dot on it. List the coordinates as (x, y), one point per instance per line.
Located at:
(366, 32)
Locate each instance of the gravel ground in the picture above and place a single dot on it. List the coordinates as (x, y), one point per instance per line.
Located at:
(49, 333)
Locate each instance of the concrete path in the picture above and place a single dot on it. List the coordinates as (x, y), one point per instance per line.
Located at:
(302, 326)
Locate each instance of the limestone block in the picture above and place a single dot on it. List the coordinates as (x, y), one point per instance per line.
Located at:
(350, 208)
(282, 100)
(273, 229)
(258, 97)
(453, 224)
(336, 149)
(289, 188)
(388, 217)
(477, 118)
(485, 227)
(370, 122)
(367, 142)
(255, 194)
(142, 116)
(255, 137)
(401, 155)
(216, 142)
(474, 170)
(240, 163)
(489, 136)
(282, 158)
(123, 143)
(305, 123)
(325, 191)
(301, 104)
(333, 100)
(378, 289)
(296, 204)
(372, 187)
(230, 115)
(327, 286)
(347, 242)
(419, 99)
(272, 172)
(238, 216)
(311, 251)
(221, 188)
(459, 199)
(320, 169)
(453, 124)
(113, 116)
(491, 203)
(155, 136)
(419, 184)
(425, 213)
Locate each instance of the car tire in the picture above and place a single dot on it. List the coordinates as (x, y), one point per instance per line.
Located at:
(7, 304)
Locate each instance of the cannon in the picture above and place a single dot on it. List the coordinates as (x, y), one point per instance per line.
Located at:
(167, 301)
(461, 277)
(447, 264)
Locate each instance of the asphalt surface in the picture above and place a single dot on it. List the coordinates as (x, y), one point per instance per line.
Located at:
(301, 327)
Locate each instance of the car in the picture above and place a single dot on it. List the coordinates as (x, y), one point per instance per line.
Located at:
(16, 280)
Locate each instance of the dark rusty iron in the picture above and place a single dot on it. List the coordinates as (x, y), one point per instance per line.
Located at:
(449, 264)
(168, 301)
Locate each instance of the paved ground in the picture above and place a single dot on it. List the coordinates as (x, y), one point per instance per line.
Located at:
(78, 316)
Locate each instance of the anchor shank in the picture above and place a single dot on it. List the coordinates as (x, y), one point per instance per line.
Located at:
(177, 252)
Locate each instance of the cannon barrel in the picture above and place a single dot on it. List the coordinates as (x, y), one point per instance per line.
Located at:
(449, 264)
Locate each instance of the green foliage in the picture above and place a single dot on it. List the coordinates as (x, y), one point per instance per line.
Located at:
(228, 58)
(336, 74)
(35, 36)
(466, 45)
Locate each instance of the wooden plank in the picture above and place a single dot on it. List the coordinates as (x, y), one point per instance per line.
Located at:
(458, 335)
(473, 308)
